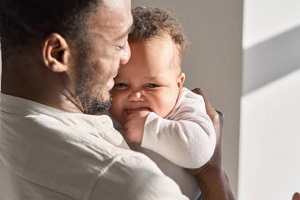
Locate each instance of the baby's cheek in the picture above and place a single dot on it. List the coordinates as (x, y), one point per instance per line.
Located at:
(115, 110)
(167, 104)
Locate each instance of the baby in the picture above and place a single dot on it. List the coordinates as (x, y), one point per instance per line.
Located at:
(152, 109)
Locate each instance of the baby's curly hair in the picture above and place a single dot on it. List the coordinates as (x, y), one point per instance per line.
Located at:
(151, 22)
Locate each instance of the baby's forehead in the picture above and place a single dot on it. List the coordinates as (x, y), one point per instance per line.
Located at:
(163, 41)
(161, 37)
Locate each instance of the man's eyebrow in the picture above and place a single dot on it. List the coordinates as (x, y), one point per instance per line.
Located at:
(127, 32)
(130, 29)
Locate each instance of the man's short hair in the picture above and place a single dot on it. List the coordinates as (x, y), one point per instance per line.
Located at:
(23, 22)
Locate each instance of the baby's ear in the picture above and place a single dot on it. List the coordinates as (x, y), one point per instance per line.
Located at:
(180, 80)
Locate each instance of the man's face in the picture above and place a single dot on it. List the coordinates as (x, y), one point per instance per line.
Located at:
(149, 81)
(108, 48)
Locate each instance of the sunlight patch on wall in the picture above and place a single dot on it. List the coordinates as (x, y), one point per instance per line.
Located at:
(269, 165)
(268, 18)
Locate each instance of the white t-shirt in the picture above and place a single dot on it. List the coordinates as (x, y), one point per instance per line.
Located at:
(48, 154)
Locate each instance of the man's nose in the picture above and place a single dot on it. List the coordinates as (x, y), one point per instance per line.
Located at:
(125, 54)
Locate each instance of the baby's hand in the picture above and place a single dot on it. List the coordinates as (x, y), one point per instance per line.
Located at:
(134, 126)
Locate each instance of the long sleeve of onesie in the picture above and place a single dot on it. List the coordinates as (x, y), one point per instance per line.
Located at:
(186, 136)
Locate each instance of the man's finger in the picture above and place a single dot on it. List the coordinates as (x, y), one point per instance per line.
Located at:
(296, 196)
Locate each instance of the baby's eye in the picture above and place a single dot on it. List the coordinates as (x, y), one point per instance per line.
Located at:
(120, 85)
(152, 85)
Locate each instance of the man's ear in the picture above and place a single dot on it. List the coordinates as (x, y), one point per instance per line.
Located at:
(180, 80)
(56, 53)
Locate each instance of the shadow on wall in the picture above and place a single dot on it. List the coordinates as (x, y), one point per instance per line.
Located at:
(0, 68)
(271, 60)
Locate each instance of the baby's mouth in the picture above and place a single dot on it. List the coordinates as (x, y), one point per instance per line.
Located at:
(132, 110)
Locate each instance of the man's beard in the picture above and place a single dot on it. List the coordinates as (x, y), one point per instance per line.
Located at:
(94, 106)
(89, 91)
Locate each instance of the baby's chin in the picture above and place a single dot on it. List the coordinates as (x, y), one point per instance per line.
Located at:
(117, 117)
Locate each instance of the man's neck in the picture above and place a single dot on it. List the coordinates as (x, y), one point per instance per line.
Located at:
(40, 87)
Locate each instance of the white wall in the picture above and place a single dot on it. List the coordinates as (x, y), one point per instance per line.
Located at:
(270, 141)
(270, 136)
(264, 19)
(214, 61)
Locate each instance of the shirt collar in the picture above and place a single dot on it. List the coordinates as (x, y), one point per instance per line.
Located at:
(98, 125)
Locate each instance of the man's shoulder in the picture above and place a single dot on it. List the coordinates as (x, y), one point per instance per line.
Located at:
(134, 176)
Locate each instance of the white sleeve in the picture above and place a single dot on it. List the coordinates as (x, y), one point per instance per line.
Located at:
(186, 137)
(135, 179)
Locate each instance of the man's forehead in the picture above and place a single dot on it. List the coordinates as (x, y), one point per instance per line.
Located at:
(112, 15)
(116, 4)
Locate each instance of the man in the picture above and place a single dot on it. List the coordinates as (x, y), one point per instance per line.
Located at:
(59, 58)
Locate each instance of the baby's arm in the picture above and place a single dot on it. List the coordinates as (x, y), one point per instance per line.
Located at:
(188, 138)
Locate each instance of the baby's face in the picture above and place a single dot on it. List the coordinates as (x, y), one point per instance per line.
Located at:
(149, 81)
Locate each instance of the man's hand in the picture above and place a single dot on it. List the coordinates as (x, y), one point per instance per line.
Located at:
(211, 177)
(296, 196)
(134, 126)
(215, 163)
